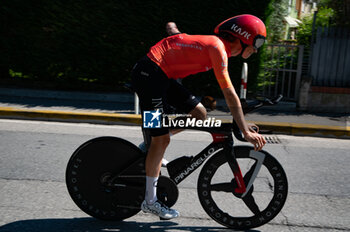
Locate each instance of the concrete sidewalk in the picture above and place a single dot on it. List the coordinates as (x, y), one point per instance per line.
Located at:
(117, 108)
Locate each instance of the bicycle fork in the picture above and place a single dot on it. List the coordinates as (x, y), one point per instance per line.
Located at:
(232, 161)
(226, 140)
(242, 187)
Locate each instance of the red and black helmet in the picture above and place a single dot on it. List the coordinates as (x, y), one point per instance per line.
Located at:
(247, 28)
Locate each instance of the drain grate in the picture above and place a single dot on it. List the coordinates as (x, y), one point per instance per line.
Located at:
(272, 140)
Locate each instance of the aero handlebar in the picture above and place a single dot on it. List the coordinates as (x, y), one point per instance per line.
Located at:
(251, 106)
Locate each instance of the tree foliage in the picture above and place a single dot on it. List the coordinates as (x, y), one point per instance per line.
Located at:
(99, 41)
(341, 8)
(323, 19)
(275, 25)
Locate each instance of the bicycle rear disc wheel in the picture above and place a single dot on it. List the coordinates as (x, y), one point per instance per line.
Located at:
(262, 202)
(90, 168)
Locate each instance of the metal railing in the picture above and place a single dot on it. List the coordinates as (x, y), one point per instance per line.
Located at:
(330, 61)
(282, 71)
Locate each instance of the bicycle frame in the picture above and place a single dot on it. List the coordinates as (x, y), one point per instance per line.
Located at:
(222, 141)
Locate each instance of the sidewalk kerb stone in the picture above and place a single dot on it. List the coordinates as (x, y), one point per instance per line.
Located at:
(111, 118)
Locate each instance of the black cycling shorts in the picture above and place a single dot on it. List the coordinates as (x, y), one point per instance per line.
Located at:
(156, 91)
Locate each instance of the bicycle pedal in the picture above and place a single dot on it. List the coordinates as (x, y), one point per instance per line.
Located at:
(164, 219)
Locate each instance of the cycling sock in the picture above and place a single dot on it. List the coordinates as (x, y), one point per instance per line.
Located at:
(151, 189)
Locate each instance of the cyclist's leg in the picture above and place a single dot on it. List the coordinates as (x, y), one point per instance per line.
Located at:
(199, 112)
(151, 85)
(153, 164)
(184, 102)
(155, 154)
(154, 158)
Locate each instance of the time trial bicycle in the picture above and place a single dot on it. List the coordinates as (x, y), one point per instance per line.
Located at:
(238, 187)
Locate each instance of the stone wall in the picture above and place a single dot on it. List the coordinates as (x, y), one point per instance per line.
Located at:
(323, 99)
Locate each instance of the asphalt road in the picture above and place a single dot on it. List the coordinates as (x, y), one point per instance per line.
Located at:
(33, 195)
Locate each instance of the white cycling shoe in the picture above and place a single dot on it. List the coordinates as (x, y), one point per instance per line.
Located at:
(159, 209)
(142, 147)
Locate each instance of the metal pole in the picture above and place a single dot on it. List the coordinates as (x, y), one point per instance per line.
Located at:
(136, 104)
(244, 79)
(299, 70)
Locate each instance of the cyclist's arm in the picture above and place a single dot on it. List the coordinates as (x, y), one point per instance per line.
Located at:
(234, 104)
(235, 107)
(220, 62)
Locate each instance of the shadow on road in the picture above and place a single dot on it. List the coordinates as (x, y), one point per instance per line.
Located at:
(93, 225)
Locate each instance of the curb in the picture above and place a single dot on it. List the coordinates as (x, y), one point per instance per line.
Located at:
(130, 119)
(305, 129)
(106, 118)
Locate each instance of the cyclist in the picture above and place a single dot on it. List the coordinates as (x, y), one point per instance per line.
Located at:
(171, 28)
(177, 56)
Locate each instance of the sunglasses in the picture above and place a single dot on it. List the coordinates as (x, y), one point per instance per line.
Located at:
(259, 40)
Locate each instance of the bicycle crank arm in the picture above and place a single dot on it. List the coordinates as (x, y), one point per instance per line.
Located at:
(128, 206)
(136, 187)
(128, 181)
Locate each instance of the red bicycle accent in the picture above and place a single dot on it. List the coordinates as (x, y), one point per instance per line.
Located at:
(240, 181)
(217, 138)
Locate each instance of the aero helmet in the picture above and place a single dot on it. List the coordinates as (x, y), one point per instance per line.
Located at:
(250, 30)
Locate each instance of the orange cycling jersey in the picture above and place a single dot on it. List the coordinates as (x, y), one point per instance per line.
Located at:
(182, 55)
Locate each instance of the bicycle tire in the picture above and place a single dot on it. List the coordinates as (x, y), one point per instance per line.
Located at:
(90, 165)
(277, 189)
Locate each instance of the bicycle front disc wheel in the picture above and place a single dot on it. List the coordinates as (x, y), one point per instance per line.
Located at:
(261, 203)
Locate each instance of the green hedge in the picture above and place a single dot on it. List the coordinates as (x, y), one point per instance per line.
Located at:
(67, 43)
